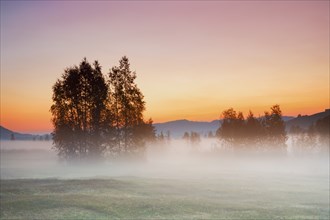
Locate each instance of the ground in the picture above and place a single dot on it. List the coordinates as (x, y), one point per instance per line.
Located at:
(173, 184)
(229, 197)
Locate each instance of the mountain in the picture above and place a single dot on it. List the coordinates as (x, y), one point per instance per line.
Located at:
(178, 127)
(6, 134)
(307, 120)
(287, 118)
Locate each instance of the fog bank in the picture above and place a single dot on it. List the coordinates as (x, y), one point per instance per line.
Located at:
(33, 159)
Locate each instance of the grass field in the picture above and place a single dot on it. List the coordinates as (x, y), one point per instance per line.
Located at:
(230, 197)
(35, 185)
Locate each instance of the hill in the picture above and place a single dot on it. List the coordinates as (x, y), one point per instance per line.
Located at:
(307, 120)
(6, 134)
(178, 127)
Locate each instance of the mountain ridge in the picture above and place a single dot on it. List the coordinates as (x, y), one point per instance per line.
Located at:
(6, 134)
(306, 121)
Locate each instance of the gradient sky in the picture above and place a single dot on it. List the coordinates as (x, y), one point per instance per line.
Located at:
(193, 59)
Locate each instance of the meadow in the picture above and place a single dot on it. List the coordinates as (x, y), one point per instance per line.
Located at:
(34, 185)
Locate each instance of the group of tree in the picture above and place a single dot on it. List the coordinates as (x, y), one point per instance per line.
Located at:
(262, 133)
(96, 115)
(210, 135)
(41, 137)
(193, 138)
(34, 138)
(164, 139)
(316, 137)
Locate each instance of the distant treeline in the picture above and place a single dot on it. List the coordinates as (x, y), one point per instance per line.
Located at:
(13, 137)
(265, 133)
(316, 137)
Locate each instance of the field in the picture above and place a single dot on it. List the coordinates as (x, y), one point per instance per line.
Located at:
(32, 188)
(229, 197)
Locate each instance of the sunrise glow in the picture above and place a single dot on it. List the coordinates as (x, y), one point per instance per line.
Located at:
(193, 59)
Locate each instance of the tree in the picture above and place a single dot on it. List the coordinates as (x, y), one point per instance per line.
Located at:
(321, 131)
(79, 111)
(186, 136)
(275, 128)
(168, 136)
(238, 132)
(127, 106)
(296, 130)
(142, 134)
(253, 130)
(322, 126)
(226, 130)
(195, 138)
(47, 137)
(12, 137)
(232, 128)
(210, 135)
(161, 138)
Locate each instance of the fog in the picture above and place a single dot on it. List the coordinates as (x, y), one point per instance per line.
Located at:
(174, 181)
(177, 159)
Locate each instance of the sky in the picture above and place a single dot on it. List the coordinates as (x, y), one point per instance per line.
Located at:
(193, 59)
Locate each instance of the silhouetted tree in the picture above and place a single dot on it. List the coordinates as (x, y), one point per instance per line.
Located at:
(79, 111)
(304, 141)
(296, 129)
(186, 136)
(238, 132)
(195, 138)
(142, 134)
(12, 137)
(161, 138)
(322, 126)
(275, 128)
(127, 106)
(253, 131)
(210, 134)
(231, 127)
(168, 136)
(47, 137)
(321, 132)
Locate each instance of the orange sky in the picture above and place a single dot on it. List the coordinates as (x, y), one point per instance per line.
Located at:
(193, 59)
